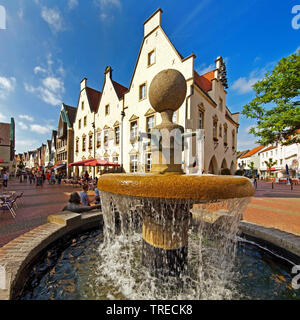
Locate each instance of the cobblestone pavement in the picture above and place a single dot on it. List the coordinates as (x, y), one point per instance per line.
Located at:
(275, 208)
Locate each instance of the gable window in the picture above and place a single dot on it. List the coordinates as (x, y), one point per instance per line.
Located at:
(82, 105)
(215, 128)
(107, 109)
(151, 58)
(220, 131)
(79, 124)
(225, 134)
(133, 131)
(174, 118)
(149, 124)
(77, 145)
(117, 135)
(83, 142)
(98, 139)
(201, 118)
(84, 121)
(221, 104)
(90, 141)
(106, 137)
(233, 139)
(133, 163)
(142, 91)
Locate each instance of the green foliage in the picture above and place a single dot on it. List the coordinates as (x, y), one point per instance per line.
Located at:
(239, 173)
(225, 172)
(276, 106)
(251, 165)
(270, 164)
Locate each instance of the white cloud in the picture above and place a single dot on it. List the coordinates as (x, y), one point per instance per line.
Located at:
(7, 85)
(2, 117)
(53, 18)
(40, 129)
(38, 69)
(26, 117)
(51, 87)
(72, 4)
(107, 8)
(204, 69)
(22, 125)
(20, 13)
(244, 84)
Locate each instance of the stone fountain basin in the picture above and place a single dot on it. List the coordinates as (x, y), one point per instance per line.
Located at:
(177, 186)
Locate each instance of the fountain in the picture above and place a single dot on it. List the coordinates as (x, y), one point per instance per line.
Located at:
(165, 197)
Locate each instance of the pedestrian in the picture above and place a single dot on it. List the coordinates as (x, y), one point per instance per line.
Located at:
(254, 182)
(59, 177)
(74, 205)
(53, 180)
(30, 177)
(43, 176)
(39, 180)
(25, 177)
(5, 179)
(48, 177)
(84, 195)
(97, 195)
(87, 176)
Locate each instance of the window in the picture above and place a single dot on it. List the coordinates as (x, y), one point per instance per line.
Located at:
(151, 58)
(79, 124)
(233, 139)
(98, 139)
(148, 162)
(281, 161)
(82, 105)
(84, 121)
(215, 128)
(117, 135)
(174, 118)
(90, 141)
(149, 124)
(107, 109)
(106, 137)
(83, 143)
(220, 131)
(225, 134)
(221, 104)
(115, 159)
(133, 163)
(133, 131)
(201, 117)
(142, 93)
(77, 145)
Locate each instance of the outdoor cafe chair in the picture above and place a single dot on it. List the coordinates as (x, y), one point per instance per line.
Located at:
(8, 205)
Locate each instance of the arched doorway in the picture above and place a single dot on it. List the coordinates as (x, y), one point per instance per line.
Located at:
(213, 166)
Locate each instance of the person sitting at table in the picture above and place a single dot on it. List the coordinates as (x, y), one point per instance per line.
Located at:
(74, 205)
(84, 196)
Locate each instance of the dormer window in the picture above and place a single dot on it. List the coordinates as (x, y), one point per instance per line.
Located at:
(151, 58)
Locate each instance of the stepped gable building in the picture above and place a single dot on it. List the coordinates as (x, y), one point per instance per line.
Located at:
(7, 144)
(110, 131)
(65, 139)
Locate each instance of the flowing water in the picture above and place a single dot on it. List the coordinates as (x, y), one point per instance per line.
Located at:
(109, 264)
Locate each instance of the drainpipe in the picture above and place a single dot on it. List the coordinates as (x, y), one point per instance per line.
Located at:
(187, 121)
(122, 134)
(94, 127)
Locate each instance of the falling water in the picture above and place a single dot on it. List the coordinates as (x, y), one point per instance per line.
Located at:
(211, 251)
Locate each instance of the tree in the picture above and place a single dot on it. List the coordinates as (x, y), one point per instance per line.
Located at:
(251, 166)
(270, 164)
(21, 165)
(276, 106)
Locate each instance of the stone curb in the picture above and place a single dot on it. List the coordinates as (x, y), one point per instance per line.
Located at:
(288, 242)
(17, 256)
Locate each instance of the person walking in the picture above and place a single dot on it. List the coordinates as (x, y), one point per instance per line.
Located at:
(48, 177)
(5, 179)
(53, 181)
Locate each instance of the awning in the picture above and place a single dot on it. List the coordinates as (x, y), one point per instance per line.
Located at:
(98, 163)
(1, 160)
(58, 167)
(93, 163)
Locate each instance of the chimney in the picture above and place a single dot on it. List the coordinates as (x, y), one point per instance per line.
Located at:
(108, 72)
(83, 84)
(152, 22)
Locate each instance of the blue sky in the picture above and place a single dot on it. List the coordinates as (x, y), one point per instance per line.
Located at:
(49, 46)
